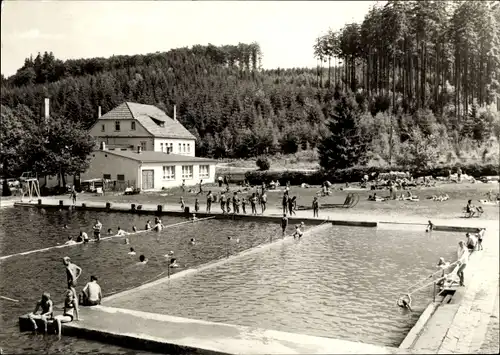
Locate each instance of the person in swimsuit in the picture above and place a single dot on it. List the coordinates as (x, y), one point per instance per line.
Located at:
(480, 236)
(315, 206)
(430, 226)
(131, 252)
(91, 293)
(143, 259)
(121, 232)
(298, 233)
(263, 201)
(70, 312)
(194, 218)
(284, 202)
(158, 225)
(70, 241)
(173, 263)
(183, 205)
(97, 230)
(196, 205)
(46, 314)
(110, 231)
(244, 205)
(284, 224)
(223, 203)
(405, 302)
(192, 241)
(85, 237)
(148, 225)
(73, 271)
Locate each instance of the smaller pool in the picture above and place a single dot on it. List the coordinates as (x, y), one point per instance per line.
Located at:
(25, 277)
(341, 282)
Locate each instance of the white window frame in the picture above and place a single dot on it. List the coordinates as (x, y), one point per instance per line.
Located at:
(144, 145)
(161, 147)
(187, 172)
(169, 172)
(189, 148)
(180, 146)
(171, 148)
(184, 148)
(204, 174)
(117, 126)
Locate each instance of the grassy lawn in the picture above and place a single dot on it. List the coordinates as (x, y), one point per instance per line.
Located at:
(459, 194)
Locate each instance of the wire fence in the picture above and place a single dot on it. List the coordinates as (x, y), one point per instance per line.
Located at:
(118, 185)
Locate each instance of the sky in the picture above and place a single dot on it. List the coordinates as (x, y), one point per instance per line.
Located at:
(83, 29)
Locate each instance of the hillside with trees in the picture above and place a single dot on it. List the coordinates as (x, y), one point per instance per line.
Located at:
(419, 80)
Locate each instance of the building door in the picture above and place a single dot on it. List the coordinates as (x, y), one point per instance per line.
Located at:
(148, 179)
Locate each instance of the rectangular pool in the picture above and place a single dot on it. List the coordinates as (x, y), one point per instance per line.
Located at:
(340, 282)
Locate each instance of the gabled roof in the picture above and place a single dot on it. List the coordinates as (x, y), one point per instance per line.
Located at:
(146, 115)
(157, 157)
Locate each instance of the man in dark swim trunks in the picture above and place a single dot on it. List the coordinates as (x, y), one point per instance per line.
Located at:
(73, 271)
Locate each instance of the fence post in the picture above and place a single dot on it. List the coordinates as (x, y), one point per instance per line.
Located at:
(39, 201)
(61, 203)
(159, 209)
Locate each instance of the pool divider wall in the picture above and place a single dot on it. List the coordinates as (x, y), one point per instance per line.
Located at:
(133, 342)
(138, 209)
(417, 329)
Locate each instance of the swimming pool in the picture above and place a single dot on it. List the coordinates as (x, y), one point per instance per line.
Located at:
(341, 282)
(25, 277)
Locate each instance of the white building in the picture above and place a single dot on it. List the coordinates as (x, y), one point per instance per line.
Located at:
(131, 125)
(142, 147)
(149, 170)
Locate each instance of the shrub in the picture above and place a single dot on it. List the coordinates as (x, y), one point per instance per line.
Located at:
(263, 163)
(355, 174)
(5, 188)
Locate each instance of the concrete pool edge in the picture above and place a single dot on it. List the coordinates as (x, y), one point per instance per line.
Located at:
(417, 329)
(162, 333)
(150, 209)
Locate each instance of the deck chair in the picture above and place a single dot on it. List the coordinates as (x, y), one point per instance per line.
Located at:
(99, 191)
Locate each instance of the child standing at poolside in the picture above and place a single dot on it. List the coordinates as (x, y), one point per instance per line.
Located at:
(196, 205)
(315, 206)
(284, 224)
(183, 205)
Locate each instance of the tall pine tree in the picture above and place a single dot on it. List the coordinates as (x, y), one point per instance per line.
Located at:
(344, 147)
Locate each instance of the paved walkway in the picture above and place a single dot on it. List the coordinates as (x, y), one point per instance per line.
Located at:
(462, 325)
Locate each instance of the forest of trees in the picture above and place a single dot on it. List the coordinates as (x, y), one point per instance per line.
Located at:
(424, 78)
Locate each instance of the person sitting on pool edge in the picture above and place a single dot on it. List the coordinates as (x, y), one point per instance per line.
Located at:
(70, 311)
(47, 311)
(91, 293)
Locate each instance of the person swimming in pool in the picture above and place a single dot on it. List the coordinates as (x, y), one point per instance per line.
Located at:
(142, 259)
(97, 230)
(121, 232)
(298, 233)
(84, 236)
(127, 242)
(158, 225)
(148, 225)
(173, 263)
(110, 231)
(194, 218)
(131, 252)
(405, 302)
(192, 241)
(134, 229)
(70, 241)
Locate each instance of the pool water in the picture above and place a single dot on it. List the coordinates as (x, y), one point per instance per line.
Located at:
(340, 282)
(24, 278)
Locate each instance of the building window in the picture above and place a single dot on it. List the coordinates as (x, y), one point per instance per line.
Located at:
(204, 171)
(103, 128)
(171, 149)
(184, 148)
(117, 125)
(169, 172)
(180, 146)
(189, 148)
(132, 125)
(106, 176)
(161, 147)
(120, 177)
(143, 145)
(187, 172)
